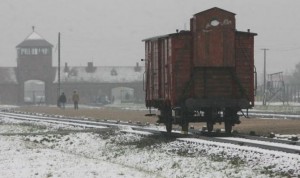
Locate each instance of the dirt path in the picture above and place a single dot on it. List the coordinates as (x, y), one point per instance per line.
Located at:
(260, 126)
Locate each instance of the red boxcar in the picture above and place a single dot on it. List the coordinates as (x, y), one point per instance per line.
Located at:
(203, 75)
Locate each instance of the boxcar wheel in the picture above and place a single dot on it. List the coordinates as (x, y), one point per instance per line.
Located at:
(185, 127)
(210, 126)
(228, 127)
(166, 114)
(169, 125)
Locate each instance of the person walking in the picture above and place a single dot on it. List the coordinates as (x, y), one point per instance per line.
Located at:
(75, 99)
(62, 100)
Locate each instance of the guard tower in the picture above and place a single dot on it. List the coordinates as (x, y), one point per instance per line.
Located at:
(34, 63)
(275, 88)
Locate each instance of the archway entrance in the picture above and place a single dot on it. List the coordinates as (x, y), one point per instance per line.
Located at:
(34, 92)
(122, 95)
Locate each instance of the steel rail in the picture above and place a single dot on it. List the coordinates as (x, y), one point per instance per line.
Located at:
(214, 137)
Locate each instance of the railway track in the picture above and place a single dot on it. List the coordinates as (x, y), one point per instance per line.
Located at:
(194, 136)
(273, 115)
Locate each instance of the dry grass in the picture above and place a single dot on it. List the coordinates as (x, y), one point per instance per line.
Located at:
(260, 126)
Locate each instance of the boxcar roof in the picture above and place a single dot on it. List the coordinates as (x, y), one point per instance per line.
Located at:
(182, 32)
(214, 8)
(246, 33)
(155, 37)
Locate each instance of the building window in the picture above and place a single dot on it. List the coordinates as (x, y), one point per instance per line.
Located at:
(25, 51)
(34, 51)
(45, 51)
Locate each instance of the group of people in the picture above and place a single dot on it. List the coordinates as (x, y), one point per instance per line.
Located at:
(63, 99)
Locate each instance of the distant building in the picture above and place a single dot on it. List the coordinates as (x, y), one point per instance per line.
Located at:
(35, 80)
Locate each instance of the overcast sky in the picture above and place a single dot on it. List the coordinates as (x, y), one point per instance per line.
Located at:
(109, 32)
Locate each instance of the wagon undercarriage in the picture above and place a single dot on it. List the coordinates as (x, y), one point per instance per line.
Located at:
(220, 112)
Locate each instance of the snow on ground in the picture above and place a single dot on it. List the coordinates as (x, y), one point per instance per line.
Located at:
(21, 158)
(36, 156)
(118, 154)
(244, 140)
(130, 106)
(8, 125)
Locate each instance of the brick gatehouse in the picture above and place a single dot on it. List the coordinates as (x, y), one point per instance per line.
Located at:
(35, 80)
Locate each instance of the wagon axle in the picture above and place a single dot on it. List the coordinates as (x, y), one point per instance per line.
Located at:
(209, 116)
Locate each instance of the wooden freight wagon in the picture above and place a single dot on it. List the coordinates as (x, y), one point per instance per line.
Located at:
(168, 62)
(203, 75)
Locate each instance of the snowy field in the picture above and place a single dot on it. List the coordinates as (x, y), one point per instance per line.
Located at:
(116, 154)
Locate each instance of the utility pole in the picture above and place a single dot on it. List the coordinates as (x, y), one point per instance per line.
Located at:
(58, 82)
(265, 64)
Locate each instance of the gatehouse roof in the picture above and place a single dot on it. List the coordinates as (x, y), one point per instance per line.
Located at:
(34, 40)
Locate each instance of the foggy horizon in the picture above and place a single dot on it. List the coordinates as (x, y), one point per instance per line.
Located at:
(110, 33)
